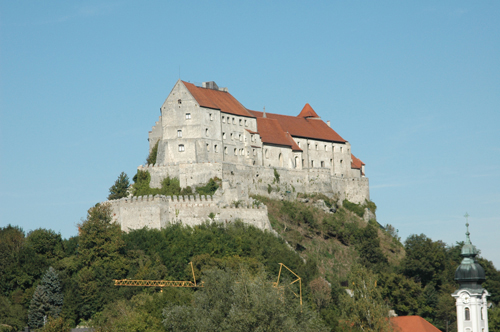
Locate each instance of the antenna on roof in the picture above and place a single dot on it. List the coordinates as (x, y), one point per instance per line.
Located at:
(264, 114)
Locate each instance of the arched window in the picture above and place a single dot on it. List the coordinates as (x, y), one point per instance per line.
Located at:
(467, 314)
(206, 132)
(235, 152)
(281, 160)
(225, 150)
(181, 147)
(215, 148)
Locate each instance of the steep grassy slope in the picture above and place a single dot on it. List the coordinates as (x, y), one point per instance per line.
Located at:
(333, 240)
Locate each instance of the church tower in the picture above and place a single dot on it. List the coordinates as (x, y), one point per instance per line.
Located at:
(471, 303)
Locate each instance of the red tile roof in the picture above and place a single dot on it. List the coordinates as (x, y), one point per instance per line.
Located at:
(303, 127)
(307, 112)
(412, 324)
(356, 163)
(216, 99)
(295, 147)
(271, 132)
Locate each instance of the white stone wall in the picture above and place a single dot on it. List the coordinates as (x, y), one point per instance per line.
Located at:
(139, 212)
(159, 211)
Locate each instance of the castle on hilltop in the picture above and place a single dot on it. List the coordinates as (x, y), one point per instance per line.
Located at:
(204, 132)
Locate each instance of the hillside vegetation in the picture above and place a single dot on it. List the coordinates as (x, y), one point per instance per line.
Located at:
(331, 245)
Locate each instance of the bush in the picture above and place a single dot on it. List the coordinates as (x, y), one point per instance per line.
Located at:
(356, 208)
(151, 160)
(210, 188)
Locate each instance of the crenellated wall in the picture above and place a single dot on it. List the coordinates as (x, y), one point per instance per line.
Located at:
(159, 211)
(257, 179)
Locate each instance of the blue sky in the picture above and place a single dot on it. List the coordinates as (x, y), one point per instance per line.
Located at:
(414, 86)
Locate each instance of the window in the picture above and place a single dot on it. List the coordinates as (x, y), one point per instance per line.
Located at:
(242, 152)
(248, 152)
(223, 119)
(312, 163)
(325, 147)
(234, 121)
(181, 147)
(309, 146)
(240, 122)
(208, 147)
(331, 162)
(179, 101)
(298, 143)
(235, 152)
(303, 162)
(211, 117)
(241, 138)
(206, 132)
(188, 116)
(341, 162)
(231, 136)
(254, 152)
(246, 123)
(225, 150)
(316, 147)
(179, 133)
(322, 164)
(467, 314)
(216, 148)
(252, 138)
(341, 149)
(267, 153)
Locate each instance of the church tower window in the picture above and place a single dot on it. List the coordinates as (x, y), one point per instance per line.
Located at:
(467, 314)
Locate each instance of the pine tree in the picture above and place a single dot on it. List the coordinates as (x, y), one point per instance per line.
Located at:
(47, 299)
(119, 189)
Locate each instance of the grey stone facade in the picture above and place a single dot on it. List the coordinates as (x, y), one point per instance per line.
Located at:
(204, 133)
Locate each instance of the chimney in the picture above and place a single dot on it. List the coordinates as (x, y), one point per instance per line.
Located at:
(264, 113)
(328, 123)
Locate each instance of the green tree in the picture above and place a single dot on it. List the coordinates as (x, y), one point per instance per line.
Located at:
(242, 302)
(425, 260)
(363, 309)
(494, 319)
(47, 300)
(120, 188)
(101, 259)
(402, 294)
(151, 160)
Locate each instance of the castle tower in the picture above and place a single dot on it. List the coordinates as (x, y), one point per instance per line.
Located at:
(471, 303)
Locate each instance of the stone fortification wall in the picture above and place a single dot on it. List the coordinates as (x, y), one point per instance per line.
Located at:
(138, 212)
(189, 174)
(159, 211)
(257, 179)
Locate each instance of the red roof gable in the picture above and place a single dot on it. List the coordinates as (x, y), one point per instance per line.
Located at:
(356, 163)
(295, 147)
(216, 99)
(271, 132)
(307, 112)
(412, 324)
(303, 127)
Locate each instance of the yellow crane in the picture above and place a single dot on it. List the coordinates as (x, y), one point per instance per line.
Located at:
(193, 284)
(159, 283)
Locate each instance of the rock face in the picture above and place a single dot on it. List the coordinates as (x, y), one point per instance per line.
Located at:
(204, 132)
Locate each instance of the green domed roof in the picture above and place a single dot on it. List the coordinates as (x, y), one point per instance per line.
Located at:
(469, 272)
